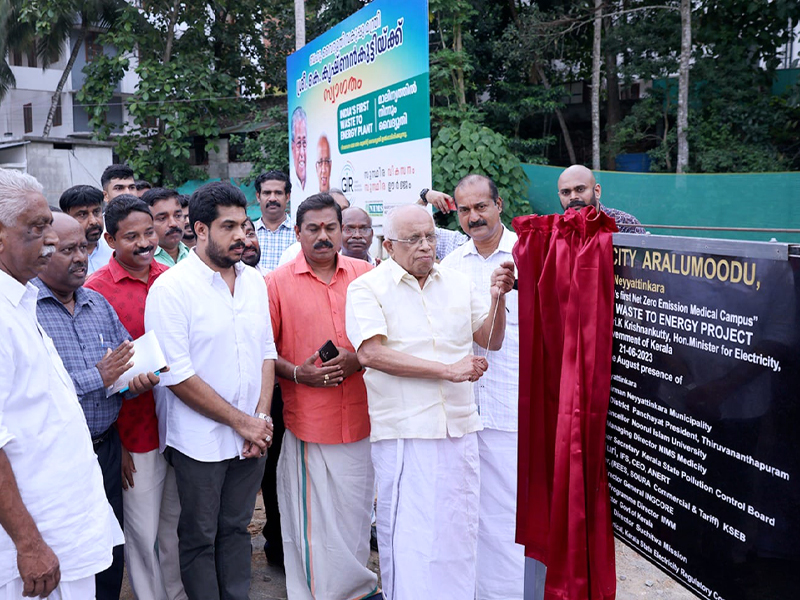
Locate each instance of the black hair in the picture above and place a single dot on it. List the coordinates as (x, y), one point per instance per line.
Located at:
(184, 200)
(317, 202)
(205, 200)
(141, 184)
(54, 209)
(274, 176)
(154, 195)
(474, 178)
(119, 209)
(115, 172)
(80, 195)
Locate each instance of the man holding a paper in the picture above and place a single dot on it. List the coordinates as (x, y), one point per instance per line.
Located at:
(211, 315)
(96, 351)
(149, 496)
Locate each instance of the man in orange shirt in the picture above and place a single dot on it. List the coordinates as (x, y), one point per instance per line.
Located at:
(325, 475)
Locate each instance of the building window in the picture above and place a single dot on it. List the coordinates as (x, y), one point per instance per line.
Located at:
(27, 117)
(93, 49)
(57, 115)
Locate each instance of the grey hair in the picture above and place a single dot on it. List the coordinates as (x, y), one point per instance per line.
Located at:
(390, 221)
(297, 115)
(15, 187)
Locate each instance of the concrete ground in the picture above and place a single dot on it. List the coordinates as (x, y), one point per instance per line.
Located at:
(636, 577)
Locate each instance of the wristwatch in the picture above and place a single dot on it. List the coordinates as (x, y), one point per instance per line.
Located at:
(264, 416)
(422, 195)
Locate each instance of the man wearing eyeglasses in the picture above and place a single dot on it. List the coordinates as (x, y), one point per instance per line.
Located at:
(357, 235)
(299, 144)
(413, 324)
(324, 164)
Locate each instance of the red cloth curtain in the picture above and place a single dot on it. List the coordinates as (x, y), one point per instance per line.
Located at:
(566, 314)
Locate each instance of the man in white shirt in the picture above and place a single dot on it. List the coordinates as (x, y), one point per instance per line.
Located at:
(64, 530)
(413, 324)
(357, 235)
(251, 255)
(501, 562)
(210, 313)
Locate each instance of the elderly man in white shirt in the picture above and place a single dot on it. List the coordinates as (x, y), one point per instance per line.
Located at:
(58, 529)
(501, 561)
(211, 315)
(413, 324)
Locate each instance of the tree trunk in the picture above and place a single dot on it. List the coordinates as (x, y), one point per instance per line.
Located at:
(48, 124)
(613, 108)
(683, 86)
(165, 58)
(299, 24)
(560, 116)
(596, 55)
(458, 47)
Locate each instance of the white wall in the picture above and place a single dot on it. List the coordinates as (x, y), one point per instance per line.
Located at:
(59, 169)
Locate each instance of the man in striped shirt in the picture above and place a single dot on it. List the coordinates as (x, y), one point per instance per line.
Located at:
(274, 228)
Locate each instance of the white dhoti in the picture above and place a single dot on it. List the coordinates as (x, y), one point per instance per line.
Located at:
(427, 516)
(325, 494)
(81, 589)
(151, 510)
(501, 561)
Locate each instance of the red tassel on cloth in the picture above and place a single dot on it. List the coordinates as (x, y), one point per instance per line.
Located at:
(566, 315)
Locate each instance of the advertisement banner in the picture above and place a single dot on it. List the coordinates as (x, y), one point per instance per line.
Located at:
(702, 433)
(359, 112)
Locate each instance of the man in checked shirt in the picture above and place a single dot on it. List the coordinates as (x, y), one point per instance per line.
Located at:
(96, 350)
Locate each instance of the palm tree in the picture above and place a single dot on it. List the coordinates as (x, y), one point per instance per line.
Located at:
(50, 36)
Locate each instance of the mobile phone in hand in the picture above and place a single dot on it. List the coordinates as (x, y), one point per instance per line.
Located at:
(328, 351)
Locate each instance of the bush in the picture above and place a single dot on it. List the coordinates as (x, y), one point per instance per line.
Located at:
(472, 148)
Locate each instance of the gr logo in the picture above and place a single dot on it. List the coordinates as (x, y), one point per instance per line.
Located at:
(347, 176)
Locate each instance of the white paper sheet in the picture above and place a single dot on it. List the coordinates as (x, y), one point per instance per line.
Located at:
(147, 357)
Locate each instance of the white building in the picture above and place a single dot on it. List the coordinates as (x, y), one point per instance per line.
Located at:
(24, 109)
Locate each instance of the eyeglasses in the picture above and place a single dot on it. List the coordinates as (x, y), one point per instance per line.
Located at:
(300, 144)
(323, 161)
(416, 240)
(364, 231)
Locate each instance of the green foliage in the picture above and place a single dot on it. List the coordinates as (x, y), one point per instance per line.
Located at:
(735, 125)
(472, 148)
(269, 148)
(196, 63)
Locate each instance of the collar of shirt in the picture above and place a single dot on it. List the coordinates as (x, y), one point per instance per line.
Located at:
(164, 257)
(81, 297)
(287, 224)
(507, 241)
(302, 266)
(118, 272)
(206, 272)
(14, 290)
(399, 273)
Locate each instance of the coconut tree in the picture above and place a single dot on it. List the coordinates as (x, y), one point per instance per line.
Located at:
(46, 26)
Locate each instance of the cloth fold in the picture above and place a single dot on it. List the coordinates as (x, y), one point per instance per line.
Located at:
(566, 294)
